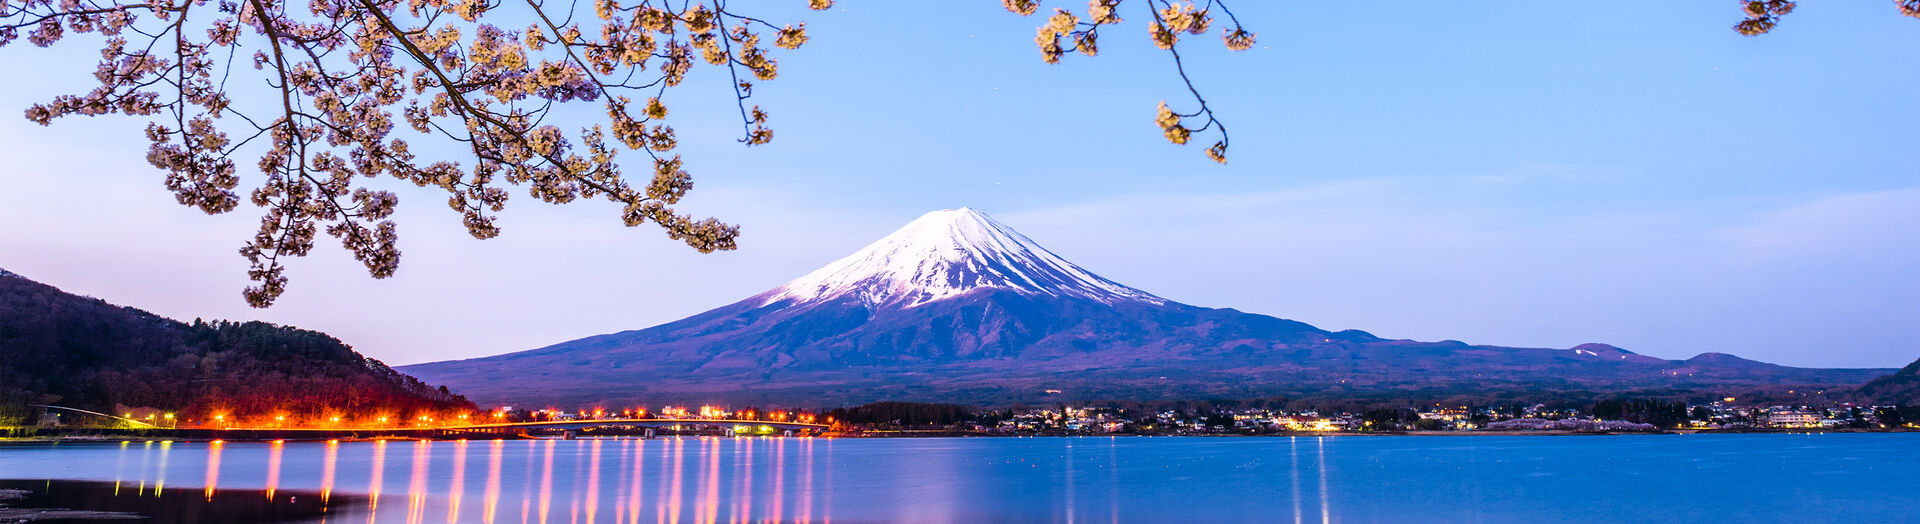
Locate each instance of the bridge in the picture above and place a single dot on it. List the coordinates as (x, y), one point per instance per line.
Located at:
(730, 425)
(512, 428)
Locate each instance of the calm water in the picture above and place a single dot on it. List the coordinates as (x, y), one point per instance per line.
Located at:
(1666, 478)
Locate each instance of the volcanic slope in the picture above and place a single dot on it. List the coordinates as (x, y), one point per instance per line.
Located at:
(956, 306)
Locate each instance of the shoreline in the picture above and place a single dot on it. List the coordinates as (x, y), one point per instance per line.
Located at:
(11, 513)
(911, 434)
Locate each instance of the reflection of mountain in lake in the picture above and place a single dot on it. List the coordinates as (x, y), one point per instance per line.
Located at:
(957, 306)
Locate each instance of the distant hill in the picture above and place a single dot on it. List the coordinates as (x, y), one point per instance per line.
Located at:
(957, 307)
(1900, 388)
(72, 351)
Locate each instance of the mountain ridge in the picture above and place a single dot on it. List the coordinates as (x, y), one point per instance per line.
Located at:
(956, 306)
(83, 352)
(1898, 388)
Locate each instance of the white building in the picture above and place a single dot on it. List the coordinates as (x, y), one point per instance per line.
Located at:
(1793, 419)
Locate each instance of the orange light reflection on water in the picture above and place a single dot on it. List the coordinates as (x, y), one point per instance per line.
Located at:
(624, 479)
(492, 503)
(273, 466)
(671, 504)
(726, 479)
(417, 484)
(711, 505)
(213, 467)
(326, 473)
(459, 487)
(373, 484)
(546, 482)
(526, 490)
(593, 483)
(826, 512)
(634, 492)
(806, 483)
(744, 505)
(779, 480)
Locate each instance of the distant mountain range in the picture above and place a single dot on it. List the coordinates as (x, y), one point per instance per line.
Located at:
(61, 349)
(958, 307)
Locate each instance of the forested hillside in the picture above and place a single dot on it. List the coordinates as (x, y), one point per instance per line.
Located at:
(73, 351)
(1900, 388)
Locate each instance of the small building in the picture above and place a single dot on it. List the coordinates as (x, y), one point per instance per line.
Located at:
(1793, 419)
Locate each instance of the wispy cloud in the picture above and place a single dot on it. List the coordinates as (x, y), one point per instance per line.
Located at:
(1823, 281)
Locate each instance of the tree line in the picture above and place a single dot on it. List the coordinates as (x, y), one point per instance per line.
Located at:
(78, 352)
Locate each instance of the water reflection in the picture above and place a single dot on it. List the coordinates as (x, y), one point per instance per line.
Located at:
(779, 479)
(691, 479)
(160, 479)
(1293, 443)
(593, 484)
(146, 459)
(806, 484)
(546, 482)
(710, 507)
(670, 507)
(273, 468)
(120, 467)
(709, 480)
(496, 450)
(213, 466)
(326, 474)
(458, 490)
(526, 493)
(1069, 482)
(1321, 465)
(744, 472)
(178, 506)
(826, 513)
(375, 478)
(635, 481)
(417, 485)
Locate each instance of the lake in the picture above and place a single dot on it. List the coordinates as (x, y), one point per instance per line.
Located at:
(1650, 478)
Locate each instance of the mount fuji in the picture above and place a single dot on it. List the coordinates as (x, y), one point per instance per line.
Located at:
(956, 306)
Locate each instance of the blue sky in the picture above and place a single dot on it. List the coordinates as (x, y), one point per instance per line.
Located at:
(1538, 174)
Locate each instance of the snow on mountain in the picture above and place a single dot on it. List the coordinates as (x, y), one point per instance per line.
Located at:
(947, 253)
(956, 307)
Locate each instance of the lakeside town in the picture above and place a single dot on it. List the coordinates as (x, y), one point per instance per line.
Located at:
(1607, 416)
(906, 419)
(1715, 416)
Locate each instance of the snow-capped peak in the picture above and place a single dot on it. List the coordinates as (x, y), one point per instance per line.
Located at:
(947, 253)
